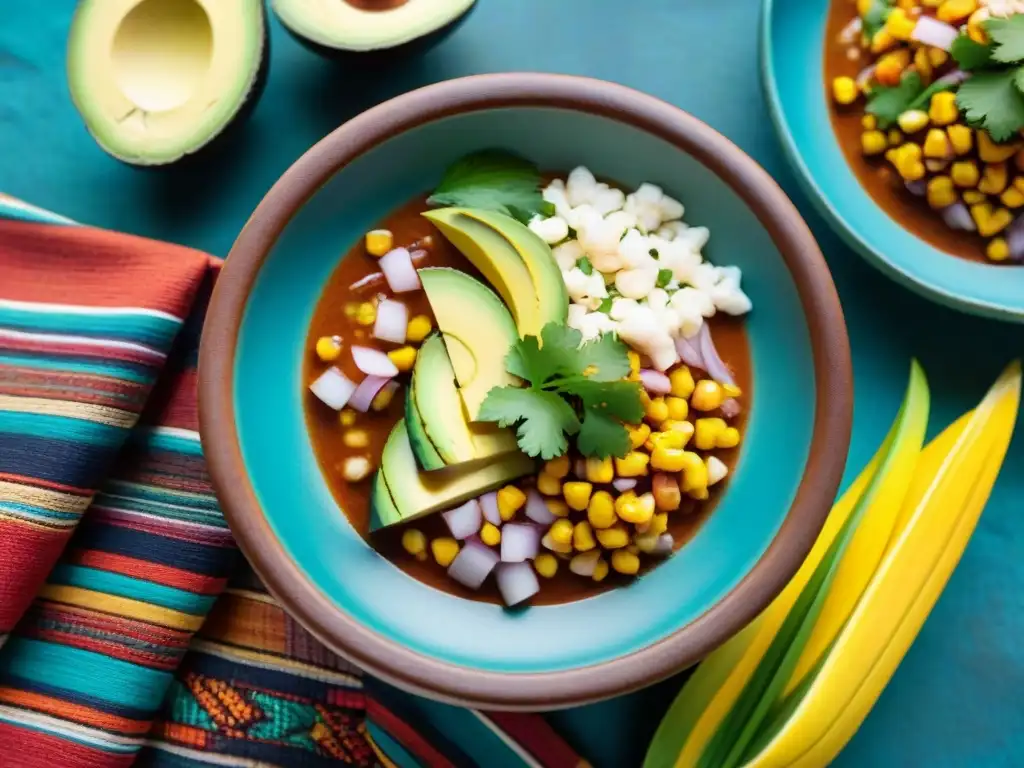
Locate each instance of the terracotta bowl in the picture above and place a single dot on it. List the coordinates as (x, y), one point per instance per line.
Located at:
(472, 653)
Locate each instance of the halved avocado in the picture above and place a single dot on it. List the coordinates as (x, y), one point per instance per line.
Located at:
(335, 28)
(155, 80)
(478, 332)
(438, 412)
(415, 494)
(383, 511)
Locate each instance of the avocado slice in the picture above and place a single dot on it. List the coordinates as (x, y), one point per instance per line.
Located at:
(497, 261)
(439, 414)
(160, 79)
(335, 28)
(478, 332)
(547, 277)
(383, 511)
(416, 493)
(426, 454)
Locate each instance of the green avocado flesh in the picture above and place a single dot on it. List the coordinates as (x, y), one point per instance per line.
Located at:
(437, 424)
(366, 25)
(414, 494)
(155, 80)
(478, 332)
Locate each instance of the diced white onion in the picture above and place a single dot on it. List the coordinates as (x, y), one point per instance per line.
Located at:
(333, 388)
(623, 484)
(465, 520)
(583, 564)
(537, 509)
(655, 382)
(473, 564)
(399, 271)
(516, 582)
(368, 388)
(519, 541)
(935, 33)
(373, 362)
(489, 507)
(392, 320)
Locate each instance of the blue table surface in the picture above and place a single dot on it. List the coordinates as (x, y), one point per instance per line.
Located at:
(956, 699)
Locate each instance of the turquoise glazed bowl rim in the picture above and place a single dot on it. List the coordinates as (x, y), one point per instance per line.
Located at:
(920, 271)
(462, 685)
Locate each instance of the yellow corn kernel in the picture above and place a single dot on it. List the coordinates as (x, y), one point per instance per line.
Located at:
(684, 428)
(895, 137)
(600, 570)
(633, 465)
(328, 348)
(666, 492)
(997, 249)
(976, 26)
(613, 538)
(942, 109)
(379, 241)
(678, 408)
(601, 510)
(356, 468)
(625, 562)
(728, 438)
(356, 438)
(668, 459)
(600, 470)
(366, 314)
(554, 546)
(873, 143)
(882, 41)
(656, 411)
(658, 524)
(638, 435)
(962, 138)
(899, 24)
(706, 433)
(940, 192)
(908, 162)
(383, 398)
(637, 510)
(444, 550)
(913, 120)
(989, 221)
(868, 123)
(731, 390)
(699, 494)
(845, 90)
(671, 438)
(682, 382)
(956, 11)
(583, 537)
(936, 144)
(549, 485)
(1012, 197)
(923, 64)
(937, 57)
(646, 542)
(351, 308)
(490, 534)
(708, 396)
(404, 358)
(973, 197)
(546, 565)
(577, 495)
(561, 531)
(634, 361)
(993, 179)
(347, 417)
(990, 152)
(965, 173)
(415, 543)
(418, 328)
(558, 467)
(891, 66)
(694, 474)
(863, 6)
(557, 507)
(510, 501)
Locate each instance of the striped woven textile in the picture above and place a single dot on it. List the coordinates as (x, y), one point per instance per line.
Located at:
(138, 635)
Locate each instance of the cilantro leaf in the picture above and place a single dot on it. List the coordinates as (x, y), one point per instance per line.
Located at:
(970, 54)
(541, 418)
(1018, 79)
(620, 399)
(526, 361)
(603, 359)
(888, 103)
(585, 266)
(494, 180)
(664, 277)
(991, 100)
(605, 305)
(1007, 36)
(874, 18)
(602, 437)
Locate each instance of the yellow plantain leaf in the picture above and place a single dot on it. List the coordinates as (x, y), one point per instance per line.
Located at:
(957, 472)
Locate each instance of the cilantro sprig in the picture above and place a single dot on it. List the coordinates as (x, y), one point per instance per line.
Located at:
(992, 99)
(572, 389)
(495, 180)
(887, 103)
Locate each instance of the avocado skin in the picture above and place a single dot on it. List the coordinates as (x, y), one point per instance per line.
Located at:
(427, 456)
(384, 56)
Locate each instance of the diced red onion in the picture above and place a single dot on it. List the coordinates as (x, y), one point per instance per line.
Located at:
(689, 352)
(623, 484)
(465, 520)
(713, 364)
(731, 408)
(957, 216)
(392, 320)
(664, 545)
(1015, 239)
(473, 564)
(418, 254)
(537, 509)
(373, 280)
(933, 32)
(655, 382)
(399, 271)
(373, 362)
(849, 33)
(489, 507)
(865, 75)
(579, 468)
(918, 188)
(516, 582)
(519, 541)
(333, 388)
(367, 390)
(584, 563)
(954, 77)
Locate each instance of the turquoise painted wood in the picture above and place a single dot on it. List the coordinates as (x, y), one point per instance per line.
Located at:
(955, 701)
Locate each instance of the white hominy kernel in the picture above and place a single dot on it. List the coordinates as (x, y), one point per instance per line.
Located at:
(554, 193)
(622, 219)
(650, 193)
(606, 262)
(636, 283)
(552, 230)
(729, 298)
(583, 216)
(704, 277)
(634, 250)
(670, 208)
(608, 200)
(664, 356)
(695, 237)
(693, 301)
(581, 186)
(670, 230)
(623, 308)
(657, 299)
(356, 468)
(567, 254)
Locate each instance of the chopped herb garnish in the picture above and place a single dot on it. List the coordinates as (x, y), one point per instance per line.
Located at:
(925, 96)
(888, 103)
(653, 253)
(1007, 37)
(992, 100)
(585, 266)
(874, 17)
(494, 180)
(664, 277)
(574, 388)
(605, 305)
(970, 54)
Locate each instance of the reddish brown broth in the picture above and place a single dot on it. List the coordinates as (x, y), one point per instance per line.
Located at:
(875, 175)
(329, 319)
